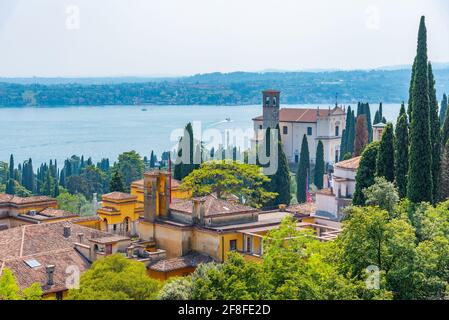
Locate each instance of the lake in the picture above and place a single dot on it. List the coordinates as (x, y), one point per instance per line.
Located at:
(107, 131)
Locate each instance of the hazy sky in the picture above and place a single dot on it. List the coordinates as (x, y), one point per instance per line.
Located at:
(180, 37)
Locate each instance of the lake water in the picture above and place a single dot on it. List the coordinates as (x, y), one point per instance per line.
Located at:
(58, 133)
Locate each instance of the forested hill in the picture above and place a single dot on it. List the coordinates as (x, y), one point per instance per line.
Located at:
(389, 86)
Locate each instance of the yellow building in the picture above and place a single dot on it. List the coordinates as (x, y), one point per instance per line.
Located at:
(119, 213)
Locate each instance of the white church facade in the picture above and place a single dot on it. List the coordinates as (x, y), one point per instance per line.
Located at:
(317, 124)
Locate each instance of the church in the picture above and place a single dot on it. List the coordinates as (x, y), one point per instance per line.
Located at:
(317, 124)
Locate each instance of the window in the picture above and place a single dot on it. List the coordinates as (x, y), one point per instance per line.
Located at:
(284, 130)
(309, 131)
(260, 127)
(267, 101)
(275, 101)
(337, 131)
(233, 245)
(296, 158)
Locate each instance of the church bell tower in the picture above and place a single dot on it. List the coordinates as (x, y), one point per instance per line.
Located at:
(271, 99)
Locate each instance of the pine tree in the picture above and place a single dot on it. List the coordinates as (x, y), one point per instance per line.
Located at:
(319, 167)
(444, 105)
(435, 136)
(116, 183)
(444, 173)
(280, 181)
(401, 152)
(366, 172)
(385, 156)
(303, 172)
(419, 186)
(361, 136)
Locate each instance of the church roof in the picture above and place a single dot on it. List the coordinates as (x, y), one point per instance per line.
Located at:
(303, 115)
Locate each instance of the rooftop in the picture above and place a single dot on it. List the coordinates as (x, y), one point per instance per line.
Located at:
(10, 199)
(139, 183)
(191, 260)
(213, 206)
(118, 196)
(351, 164)
(303, 115)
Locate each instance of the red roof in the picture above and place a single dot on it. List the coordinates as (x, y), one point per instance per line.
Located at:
(303, 115)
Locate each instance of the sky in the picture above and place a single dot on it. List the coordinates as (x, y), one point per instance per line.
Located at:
(90, 38)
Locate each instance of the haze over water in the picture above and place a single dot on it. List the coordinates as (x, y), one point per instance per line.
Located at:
(105, 132)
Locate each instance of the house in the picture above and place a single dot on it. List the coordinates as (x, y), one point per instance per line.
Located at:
(196, 230)
(54, 254)
(331, 201)
(317, 124)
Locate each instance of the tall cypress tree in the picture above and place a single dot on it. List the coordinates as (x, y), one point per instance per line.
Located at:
(366, 172)
(410, 91)
(350, 137)
(361, 135)
(445, 130)
(11, 167)
(444, 173)
(419, 186)
(385, 156)
(444, 105)
(435, 136)
(343, 145)
(367, 112)
(303, 172)
(319, 167)
(280, 181)
(381, 111)
(377, 118)
(401, 149)
(11, 187)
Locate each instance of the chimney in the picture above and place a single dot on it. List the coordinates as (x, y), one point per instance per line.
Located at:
(199, 209)
(67, 231)
(50, 270)
(129, 251)
(80, 237)
(150, 196)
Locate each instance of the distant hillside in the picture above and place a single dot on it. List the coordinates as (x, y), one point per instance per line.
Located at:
(389, 86)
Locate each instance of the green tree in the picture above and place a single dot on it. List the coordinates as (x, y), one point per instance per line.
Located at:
(420, 187)
(435, 136)
(131, 167)
(366, 172)
(177, 289)
(152, 160)
(116, 183)
(280, 181)
(116, 278)
(11, 167)
(185, 164)
(9, 289)
(443, 109)
(229, 177)
(11, 187)
(319, 167)
(385, 156)
(75, 203)
(382, 194)
(410, 90)
(303, 173)
(401, 152)
(444, 173)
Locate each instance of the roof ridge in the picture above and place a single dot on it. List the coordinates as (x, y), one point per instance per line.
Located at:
(22, 242)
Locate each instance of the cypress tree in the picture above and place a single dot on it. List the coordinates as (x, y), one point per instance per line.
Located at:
(280, 181)
(116, 183)
(410, 91)
(419, 186)
(444, 105)
(303, 172)
(350, 137)
(444, 173)
(11, 167)
(445, 130)
(11, 187)
(385, 156)
(401, 149)
(435, 136)
(381, 112)
(343, 145)
(367, 111)
(56, 191)
(377, 118)
(366, 172)
(319, 167)
(152, 164)
(182, 169)
(361, 137)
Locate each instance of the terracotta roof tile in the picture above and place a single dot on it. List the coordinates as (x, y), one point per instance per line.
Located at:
(119, 196)
(352, 164)
(303, 115)
(213, 206)
(190, 260)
